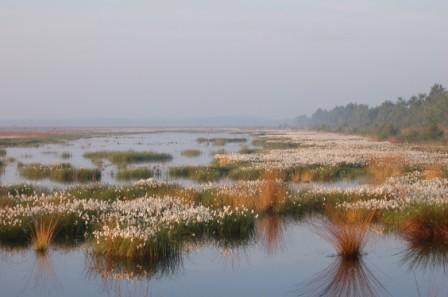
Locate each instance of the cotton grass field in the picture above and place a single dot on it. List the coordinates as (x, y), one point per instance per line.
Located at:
(145, 211)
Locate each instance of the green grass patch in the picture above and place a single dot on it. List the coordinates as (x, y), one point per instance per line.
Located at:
(199, 173)
(113, 193)
(134, 173)
(60, 172)
(126, 157)
(66, 155)
(245, 173)
(273, 143)
(221, 141)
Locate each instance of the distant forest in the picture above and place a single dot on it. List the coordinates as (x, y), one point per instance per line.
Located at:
(420, 118)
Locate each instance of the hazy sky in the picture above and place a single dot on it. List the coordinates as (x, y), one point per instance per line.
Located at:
(183, 58)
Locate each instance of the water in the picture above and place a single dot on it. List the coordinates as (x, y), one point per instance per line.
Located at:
(286, 259)
(167, 142)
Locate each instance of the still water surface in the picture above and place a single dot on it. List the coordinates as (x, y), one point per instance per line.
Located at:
(285, 259)
(165, 142)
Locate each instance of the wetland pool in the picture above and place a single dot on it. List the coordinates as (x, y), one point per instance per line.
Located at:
(286, 258)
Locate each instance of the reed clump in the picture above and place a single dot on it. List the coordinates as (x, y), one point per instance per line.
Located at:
(43, 232)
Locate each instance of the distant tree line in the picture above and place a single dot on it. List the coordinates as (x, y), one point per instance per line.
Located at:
(421, 118)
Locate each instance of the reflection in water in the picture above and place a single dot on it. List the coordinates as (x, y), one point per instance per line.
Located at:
(129, 277)
(44, 270)
(270, 232)
(344, 278)
(430, 256)
(111, 268)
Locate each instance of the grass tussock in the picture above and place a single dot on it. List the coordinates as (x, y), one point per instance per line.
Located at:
(127, 157)
(135, 173)
(191, 153)
(425, 224)
(43, 232)
(63, 172)
(346, 230)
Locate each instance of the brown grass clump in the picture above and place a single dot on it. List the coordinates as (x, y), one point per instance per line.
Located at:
(268, 196)
(347, 230)
(272, 195)
(434, 171)
(426, 224)
(379, 169)
(305, 176)
(418, 232)
(43, 232)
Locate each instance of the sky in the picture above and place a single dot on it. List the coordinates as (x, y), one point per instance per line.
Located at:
(176, 59)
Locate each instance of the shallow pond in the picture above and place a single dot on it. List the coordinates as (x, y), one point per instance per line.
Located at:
(286, 258)
(165, 142)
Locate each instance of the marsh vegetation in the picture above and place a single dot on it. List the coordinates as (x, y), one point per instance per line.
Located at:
(127, 157)
(191, 153)
(62, 172)
(243, 197)
(135, 173)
